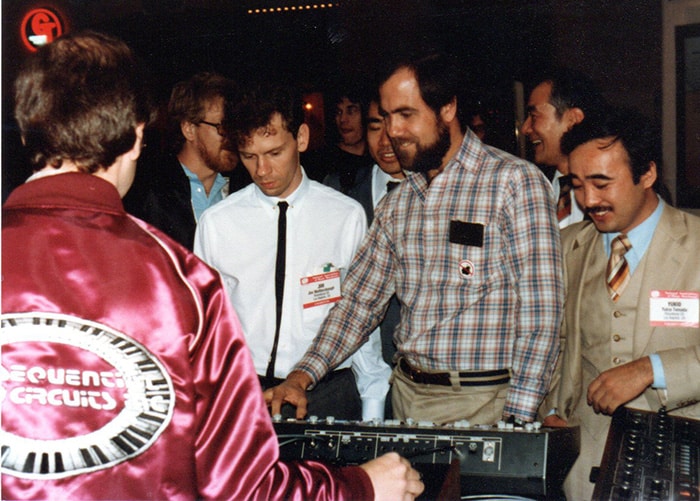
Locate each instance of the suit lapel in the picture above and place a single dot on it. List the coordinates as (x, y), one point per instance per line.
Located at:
(578, 257)
(578, 261)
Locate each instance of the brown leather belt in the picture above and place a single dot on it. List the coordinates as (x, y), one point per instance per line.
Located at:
(469, 378)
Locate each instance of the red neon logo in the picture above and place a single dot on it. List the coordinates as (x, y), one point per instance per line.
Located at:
(40, 27)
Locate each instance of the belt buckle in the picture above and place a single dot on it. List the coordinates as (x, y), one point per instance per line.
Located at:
(412, 371)
(415, 373)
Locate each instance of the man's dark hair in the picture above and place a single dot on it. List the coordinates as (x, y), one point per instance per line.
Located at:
(573, 89)
(439, 77)
(255, 105)
(345, 87)
(80, 99)
(350, 87)
(628, 127)
(189, 100)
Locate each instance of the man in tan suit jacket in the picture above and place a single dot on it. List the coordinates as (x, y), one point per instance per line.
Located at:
(641, 349)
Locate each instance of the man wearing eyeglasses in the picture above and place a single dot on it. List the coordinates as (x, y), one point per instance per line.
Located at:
(172, 192)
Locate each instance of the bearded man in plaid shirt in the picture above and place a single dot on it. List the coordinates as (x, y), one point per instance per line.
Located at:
(469, 244)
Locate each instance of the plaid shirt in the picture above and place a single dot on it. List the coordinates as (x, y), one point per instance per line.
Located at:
(466, 303)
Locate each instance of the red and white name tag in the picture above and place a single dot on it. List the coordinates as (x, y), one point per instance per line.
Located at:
(321, 289)
(674, 308)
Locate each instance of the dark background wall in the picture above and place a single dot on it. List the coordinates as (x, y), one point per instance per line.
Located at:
(618, 42)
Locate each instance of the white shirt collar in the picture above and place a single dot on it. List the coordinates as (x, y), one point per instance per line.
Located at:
(295, 197)
(379, 180)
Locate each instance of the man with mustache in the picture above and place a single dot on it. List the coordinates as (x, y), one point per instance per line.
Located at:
(469, 244)
(633, 341)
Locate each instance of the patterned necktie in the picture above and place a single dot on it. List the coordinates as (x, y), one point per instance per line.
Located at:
(564, 202)
(618, 272)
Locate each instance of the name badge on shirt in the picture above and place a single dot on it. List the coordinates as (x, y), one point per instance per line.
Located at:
(674, 309)
(321, 288)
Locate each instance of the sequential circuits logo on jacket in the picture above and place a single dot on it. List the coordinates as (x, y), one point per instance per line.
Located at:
(77, 396)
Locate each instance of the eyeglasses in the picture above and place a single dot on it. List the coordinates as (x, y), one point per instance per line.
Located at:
(219, 127)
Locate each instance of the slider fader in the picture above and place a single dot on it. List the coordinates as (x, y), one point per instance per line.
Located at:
(650, 456)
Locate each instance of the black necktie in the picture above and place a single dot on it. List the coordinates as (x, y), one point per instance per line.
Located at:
(279, 280)
(390, 185)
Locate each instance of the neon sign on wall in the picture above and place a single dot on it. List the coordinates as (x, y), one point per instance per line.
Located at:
(41, 26)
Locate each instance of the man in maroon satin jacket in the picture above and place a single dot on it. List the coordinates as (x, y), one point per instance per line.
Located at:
(124, 370)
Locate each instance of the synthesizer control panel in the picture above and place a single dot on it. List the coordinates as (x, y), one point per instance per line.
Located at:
(650, 456)
(527, 461)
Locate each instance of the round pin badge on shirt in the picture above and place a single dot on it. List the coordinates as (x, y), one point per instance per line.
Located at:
(466, 268)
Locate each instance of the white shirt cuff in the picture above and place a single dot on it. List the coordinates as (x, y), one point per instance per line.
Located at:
(373, 408)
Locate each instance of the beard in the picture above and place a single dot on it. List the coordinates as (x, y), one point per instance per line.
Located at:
(224, 161)
(426, 158)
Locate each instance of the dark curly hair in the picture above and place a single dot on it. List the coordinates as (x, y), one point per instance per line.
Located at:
(255, 105)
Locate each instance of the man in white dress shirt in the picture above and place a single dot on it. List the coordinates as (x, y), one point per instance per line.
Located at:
(239, 237)
(561, 100)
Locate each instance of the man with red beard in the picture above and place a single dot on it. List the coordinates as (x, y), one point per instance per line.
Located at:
(470, 246)
(171, 193)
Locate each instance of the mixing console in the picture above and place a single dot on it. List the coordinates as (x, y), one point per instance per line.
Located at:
(650, 456)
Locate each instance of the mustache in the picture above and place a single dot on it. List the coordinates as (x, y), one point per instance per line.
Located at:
(396, 141)
(597, 208)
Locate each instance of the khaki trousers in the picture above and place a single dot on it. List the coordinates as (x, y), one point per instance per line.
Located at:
(446, 404)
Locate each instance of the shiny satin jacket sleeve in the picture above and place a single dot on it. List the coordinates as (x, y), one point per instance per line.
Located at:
(236, 448)
(71, 253)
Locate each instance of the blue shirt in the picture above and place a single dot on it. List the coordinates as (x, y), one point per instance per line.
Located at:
(639, 237)
(200, 200)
